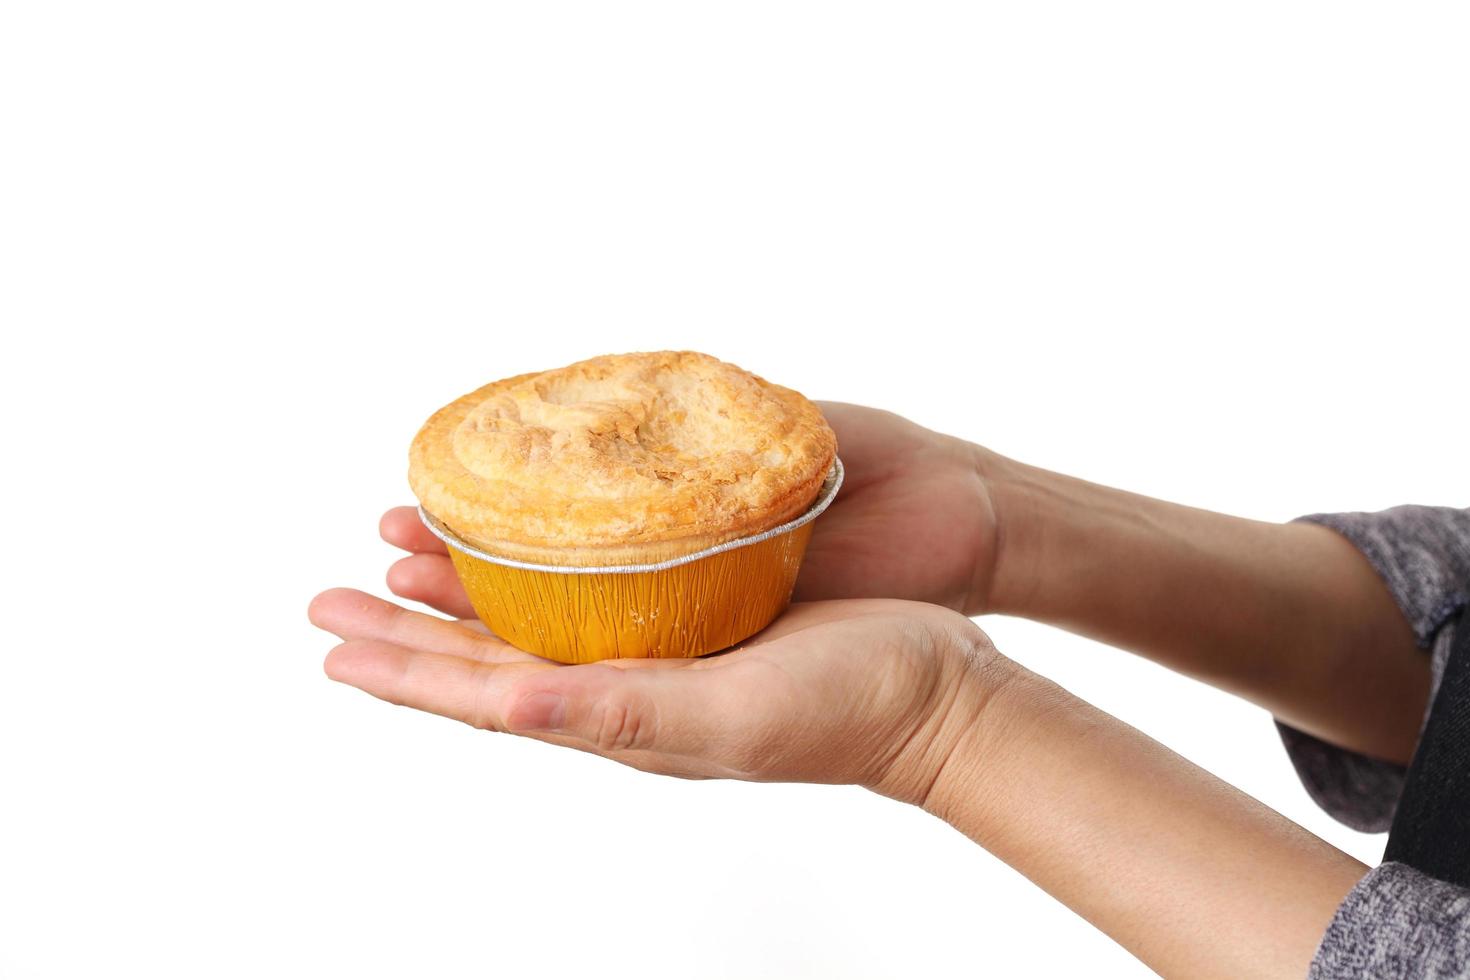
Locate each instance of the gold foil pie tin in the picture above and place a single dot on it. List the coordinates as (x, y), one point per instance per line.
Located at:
(683, 607)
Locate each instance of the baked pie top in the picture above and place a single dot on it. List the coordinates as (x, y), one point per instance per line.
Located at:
(620, 459)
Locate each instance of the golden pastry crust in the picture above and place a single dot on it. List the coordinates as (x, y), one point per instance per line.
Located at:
(621, 459)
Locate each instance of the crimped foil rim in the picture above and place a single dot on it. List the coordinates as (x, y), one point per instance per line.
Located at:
(830, 486)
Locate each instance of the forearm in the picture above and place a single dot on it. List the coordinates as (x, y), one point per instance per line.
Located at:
(1190, 875)
(1290, 616)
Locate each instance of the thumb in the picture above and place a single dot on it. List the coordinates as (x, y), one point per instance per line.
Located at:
(688, 711)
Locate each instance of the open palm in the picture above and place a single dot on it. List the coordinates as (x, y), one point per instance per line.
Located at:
(846, 692)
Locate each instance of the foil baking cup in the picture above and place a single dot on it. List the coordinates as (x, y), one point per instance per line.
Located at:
(683, 607)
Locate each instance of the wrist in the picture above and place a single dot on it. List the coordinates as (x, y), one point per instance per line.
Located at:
(976, 763)
(976, 677)
(1006, 576)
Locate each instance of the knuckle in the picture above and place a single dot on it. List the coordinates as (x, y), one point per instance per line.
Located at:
(482, 708)
(619, 725)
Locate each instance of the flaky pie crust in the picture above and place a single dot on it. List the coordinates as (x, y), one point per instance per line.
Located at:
(621, 459)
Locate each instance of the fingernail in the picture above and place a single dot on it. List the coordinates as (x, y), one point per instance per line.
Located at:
(540, 712)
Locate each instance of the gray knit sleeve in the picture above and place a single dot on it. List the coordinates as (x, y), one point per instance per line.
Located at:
(1397, 923)
(1423, 556)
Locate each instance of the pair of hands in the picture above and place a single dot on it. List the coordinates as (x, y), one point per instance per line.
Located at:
(869, 678)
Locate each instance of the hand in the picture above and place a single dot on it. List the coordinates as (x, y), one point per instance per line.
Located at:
(872, 692)
(915, 520)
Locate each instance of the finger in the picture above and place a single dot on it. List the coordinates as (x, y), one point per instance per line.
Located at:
(355, 615)
(432, 580)
(470, 691)
(857, 428)
(873, 443)
(715, 718)
(401, 527)
(466, 691)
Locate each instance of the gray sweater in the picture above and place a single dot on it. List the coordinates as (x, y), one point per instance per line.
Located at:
(1397, 922)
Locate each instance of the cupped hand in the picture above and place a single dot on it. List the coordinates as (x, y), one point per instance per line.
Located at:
(872, 692)
(915, 520)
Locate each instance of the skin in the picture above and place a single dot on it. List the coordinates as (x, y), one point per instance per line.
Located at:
(877, 677)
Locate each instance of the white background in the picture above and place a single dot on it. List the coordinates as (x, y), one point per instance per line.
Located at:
(1213, 252)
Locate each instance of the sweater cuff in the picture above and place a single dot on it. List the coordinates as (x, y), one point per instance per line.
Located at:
(1423, 556)
(1421, 553)
(1397, 923)
(1354, 789)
